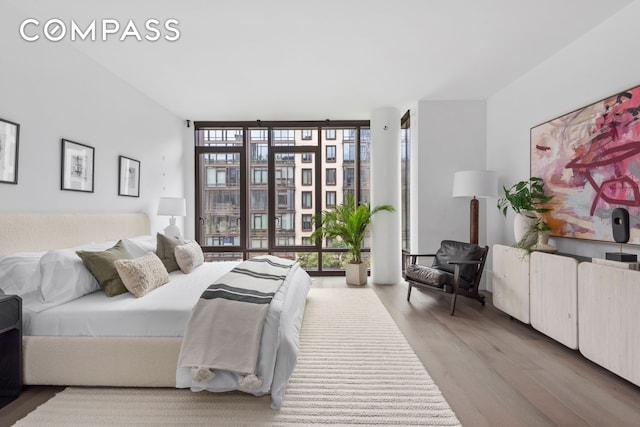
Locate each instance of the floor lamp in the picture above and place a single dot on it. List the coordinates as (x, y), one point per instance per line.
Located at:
(475, 184)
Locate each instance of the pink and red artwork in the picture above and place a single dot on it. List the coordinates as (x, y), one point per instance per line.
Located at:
(589, 160)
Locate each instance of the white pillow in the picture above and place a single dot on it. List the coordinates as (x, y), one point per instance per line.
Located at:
(140, 245)
(19, 273)
(142, 275)
(64, 277)
(189, 256)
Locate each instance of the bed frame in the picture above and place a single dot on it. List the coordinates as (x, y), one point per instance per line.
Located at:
(88, 361)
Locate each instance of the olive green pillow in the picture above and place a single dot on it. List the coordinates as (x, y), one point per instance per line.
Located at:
(100, 264)
(166, 251)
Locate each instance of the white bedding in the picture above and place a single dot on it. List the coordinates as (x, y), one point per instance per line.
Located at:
(164, 312)
(278, 348)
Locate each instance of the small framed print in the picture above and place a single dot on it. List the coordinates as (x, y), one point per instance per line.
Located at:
(77, 166)
(9, 138)
(128, 177)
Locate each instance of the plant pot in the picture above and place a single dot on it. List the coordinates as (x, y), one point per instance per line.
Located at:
(356, 274)
(522, 224)
(543, 243)
(543, 238)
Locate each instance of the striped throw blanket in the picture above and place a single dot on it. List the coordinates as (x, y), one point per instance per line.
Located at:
(226, 323)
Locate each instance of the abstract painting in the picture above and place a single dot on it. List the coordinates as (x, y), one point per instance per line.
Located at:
(589, 160)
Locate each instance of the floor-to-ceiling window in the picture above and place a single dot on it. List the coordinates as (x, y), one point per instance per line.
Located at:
(405, 157)
(259, 184)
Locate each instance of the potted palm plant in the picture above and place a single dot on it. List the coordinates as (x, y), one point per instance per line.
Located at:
(349, 223)
(526, 199)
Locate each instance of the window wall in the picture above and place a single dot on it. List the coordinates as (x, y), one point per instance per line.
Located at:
(259, 186)
(405, 160)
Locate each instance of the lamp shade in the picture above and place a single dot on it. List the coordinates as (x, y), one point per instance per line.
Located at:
(172, 206)
(475, 183)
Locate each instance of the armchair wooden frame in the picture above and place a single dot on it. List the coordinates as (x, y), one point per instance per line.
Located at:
(454, 286)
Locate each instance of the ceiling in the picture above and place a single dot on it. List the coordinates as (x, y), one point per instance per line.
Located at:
(336, 59)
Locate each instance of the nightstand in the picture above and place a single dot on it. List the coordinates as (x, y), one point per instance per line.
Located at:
(10, 347)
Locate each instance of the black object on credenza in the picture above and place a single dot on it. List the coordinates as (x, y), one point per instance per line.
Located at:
(620, 228)
(10, 347)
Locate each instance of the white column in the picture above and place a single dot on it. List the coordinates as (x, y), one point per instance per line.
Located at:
(386, 239)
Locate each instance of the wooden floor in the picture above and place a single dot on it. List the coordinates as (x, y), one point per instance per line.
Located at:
(493, 371)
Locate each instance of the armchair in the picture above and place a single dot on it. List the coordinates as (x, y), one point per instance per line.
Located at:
(457, 268)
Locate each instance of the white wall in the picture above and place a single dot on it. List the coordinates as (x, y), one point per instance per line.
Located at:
(601, 63)
(450, 136)
(53, 91)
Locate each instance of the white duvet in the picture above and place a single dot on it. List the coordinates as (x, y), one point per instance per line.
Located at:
(165, 311)
(278, 348)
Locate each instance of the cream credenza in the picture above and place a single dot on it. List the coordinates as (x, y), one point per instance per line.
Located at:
(591, 307)
(553, 299)
(510, 270)
(609, 317)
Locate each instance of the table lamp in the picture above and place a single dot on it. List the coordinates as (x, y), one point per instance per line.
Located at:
(172, 206)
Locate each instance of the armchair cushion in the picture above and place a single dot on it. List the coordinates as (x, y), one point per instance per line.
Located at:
(458, 251)
(433, 276)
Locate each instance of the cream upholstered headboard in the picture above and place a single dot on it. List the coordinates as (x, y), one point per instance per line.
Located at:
(36, 232)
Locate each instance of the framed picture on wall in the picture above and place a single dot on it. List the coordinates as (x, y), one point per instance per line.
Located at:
(128, 177)
(78, 161)
(589, 160)
(9, 138)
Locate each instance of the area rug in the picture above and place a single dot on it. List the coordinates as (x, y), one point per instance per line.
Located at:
(354, 368)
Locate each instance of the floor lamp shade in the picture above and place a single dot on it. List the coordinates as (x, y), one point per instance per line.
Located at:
(475, 184)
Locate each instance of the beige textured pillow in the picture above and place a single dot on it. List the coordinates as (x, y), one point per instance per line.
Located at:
(189, 256)
(142, 275)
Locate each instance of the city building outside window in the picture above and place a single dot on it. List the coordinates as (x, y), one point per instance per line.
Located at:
(331, 199)
(349, 135)
(348, 152)
(331, 176)
(307, 199)
(307, 177)
(249, 192)
(331, 153)
(306, 222)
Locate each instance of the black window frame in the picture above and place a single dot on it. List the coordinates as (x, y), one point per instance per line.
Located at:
(238, 146)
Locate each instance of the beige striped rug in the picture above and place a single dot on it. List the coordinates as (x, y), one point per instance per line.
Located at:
(354, 368)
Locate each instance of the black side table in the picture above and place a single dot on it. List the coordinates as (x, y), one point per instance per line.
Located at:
(10, 347)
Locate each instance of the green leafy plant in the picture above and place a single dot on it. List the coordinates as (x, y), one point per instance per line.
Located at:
(348, 222)
(525, 196)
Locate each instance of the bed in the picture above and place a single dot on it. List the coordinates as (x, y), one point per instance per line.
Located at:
(125, 341)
